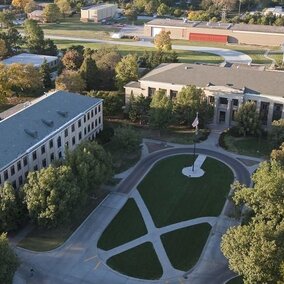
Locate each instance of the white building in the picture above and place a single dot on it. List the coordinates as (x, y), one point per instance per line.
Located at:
(98, 12)
(34, 137)
(276, 11)
(227, 88)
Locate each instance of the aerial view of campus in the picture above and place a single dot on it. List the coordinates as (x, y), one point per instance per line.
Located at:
(141, 142)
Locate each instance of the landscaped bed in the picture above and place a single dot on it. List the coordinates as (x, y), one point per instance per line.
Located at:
(139, 262)
(172, 197)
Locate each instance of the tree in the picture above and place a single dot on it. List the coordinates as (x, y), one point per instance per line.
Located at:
(50, 48)
(248, 121)
(162, 41)
(113, 101)
(3, 49)
(44, 71)
(163, 9)
(9, 208)
(51, 13)
(151, 7)
(277, 132)
(138, 108)
(20, 4)
(278, 155)
(72, 60)
(13, 40)
(5, 84)
(91, 165)
(30, 6)
(225, 4)
(64, 7)
(126, 70)
(70, 81)
(160, 110)
(188, 102)
(106, 60)
(89, 72)
(6, 18)
(127, 139)
(51, 195)
(8, 261)
(34, 36)
(130, 13)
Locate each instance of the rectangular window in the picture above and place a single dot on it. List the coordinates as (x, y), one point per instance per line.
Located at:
(50, 144)
(92, 113)
(43, 162)
(60, 155)
(89, 128)
(19, 166)
(67, 144)
(96, 111)
(96, 122)
(151, 92)
(79, 123)
(26, 174)
(88, 116)
(34, 155)
(223, 101)
(66, 132)
(73, 127)
(73, 140)
(99, 108)
(20, 180)
(52, 157)
(173, 94)
(25, 161)
(235, 102)
(99, 120)
(92, 125)
(35, 168)
(80, 135)
(84, 118)
(85, 131)
(14, 184)
(42, 149)
(12, 170)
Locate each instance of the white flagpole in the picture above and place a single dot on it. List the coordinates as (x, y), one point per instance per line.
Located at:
(194, 142)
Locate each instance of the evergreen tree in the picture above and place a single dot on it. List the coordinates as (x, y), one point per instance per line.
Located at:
(89, 72)
(34, 36)
(45, 71)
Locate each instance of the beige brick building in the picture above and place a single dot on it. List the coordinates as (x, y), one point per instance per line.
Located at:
(37, 135)
(217, 32)
(226, 88)
(98, 12)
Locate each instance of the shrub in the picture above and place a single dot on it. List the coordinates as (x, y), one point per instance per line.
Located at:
(105, 135)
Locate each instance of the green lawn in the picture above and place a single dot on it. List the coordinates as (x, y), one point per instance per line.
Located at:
(140, 262)
(236, 280)
(184, 246)
(255, 52)
(127, 225)
(40, 239)
(184, 56)
(172, 197)
(277, 56)
(250, 146)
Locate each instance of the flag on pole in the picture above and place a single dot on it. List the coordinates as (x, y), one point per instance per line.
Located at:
(195, 122)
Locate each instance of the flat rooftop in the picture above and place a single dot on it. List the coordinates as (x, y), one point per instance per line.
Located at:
(27, 58)
(98, 6)
(38, 120)
(256, 81)
(224, 26)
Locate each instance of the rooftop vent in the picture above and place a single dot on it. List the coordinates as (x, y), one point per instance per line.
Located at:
(62, 113)
(31, 133)
(48, 123)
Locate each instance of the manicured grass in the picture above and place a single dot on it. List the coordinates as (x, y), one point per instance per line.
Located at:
(127, 225)
(236, 280)
(184, 56)
(140, 262)
(40, 239)
(250, 146)
(184, 246)
(172, 197)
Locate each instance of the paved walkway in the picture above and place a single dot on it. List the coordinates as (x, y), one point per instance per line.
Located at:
(229, 55)
(79, 261)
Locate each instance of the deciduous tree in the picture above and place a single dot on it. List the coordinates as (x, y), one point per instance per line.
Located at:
(277, 132)
(138, 108)
(64, 7)
(30, 6)
(51, 13)
(72, 60)
(45, 71)
(34, 36)
(70, 81)
(127, 138)
(162, 41)
(163, 9)
(3, 49)
(20, 4)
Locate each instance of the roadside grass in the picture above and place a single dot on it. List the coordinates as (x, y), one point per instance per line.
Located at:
(250, 146)
(140, 262)
(255, 52)
(236, 280)
(40, 239)
(172, 197)
(184, 56)
(126, 226)
(277, 56)
(184, 246)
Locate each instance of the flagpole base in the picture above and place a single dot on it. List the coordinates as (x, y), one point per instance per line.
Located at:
(188, 171)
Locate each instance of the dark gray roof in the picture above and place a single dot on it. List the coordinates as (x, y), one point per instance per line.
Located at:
(41, 118)
(264, 82)
(224, 26)
(133, 84)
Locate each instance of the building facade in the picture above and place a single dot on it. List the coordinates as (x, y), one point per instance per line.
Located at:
(34, 137)
(226, 88)
(99, 12)
(217, 32)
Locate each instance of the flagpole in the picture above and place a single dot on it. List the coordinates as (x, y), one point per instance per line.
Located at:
(194, 141)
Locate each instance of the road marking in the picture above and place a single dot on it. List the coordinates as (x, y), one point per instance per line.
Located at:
(93, 257)
(98, 264)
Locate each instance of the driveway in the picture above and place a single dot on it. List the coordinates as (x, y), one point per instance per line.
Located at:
(228, 55)
(79, 261)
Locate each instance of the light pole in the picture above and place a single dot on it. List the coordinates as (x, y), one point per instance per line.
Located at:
(195, 124)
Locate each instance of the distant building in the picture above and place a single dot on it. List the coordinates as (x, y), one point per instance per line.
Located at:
(35, 59)
(276, 11)
(226, 88)
(36, 15)
(217, 32)
(35, 136)
(99, 12)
